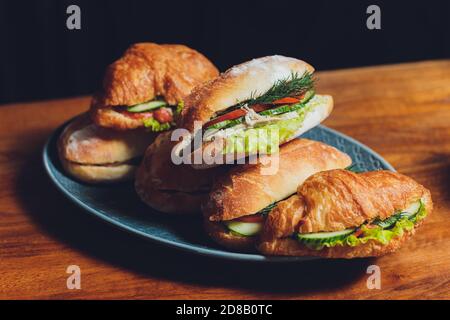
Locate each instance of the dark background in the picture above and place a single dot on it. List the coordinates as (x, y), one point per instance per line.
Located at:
(40, 58)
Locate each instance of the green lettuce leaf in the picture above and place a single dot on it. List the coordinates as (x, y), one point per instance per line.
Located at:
(377, 233)
(266, 138)
(263, 139)
(155, 126)
(179, 108)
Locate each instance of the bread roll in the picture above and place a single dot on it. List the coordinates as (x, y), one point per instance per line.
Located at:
(170, 188)
(238, 84)
(98, 155)
(244, 191)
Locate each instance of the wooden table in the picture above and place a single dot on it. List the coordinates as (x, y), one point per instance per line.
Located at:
(401, 111)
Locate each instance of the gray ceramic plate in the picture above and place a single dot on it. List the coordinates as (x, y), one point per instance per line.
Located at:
(119, 205)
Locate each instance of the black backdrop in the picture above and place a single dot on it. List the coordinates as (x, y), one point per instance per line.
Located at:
(40, 58)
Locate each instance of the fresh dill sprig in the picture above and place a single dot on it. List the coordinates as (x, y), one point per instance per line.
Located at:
(293, 86)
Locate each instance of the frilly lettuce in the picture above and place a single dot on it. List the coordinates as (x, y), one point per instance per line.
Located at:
(179, 108)
(262, 138)
(265, 142)
(265, 138)
(377, 233)
(155, 126)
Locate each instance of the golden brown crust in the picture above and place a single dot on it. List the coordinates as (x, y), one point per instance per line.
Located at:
(109, 118)
(372, 248)
(337, 200)
(147, 71)
(238, 84)
(168, 187)
(99, 174)
(245, 191)
(284, 219)
(221, 235)
(83, 142)
(340, 199)
(99, 155)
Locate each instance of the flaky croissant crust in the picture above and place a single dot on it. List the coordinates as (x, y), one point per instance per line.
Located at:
(147, 70)
(340, 199)
(144, 72)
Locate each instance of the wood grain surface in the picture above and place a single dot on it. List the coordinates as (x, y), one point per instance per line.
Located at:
(401, 111)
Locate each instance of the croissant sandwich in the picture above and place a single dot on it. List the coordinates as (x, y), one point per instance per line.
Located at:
(270, 98)
(146, 86)
(239, 200)
(169, 187)
(100, 155)
(341, 214)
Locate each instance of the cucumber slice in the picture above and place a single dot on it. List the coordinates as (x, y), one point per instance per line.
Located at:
(412, 210)
(280, 110)
(246, 229)
(147, 106)
(389, 222)
(409, 213)
(326, 235)
(317, 239)
(226, 123)
(308, 95)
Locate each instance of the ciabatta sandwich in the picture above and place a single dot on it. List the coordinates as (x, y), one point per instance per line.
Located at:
(270, 98)
(240, 199)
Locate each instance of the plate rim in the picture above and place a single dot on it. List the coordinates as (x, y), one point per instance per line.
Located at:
(216, 253)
